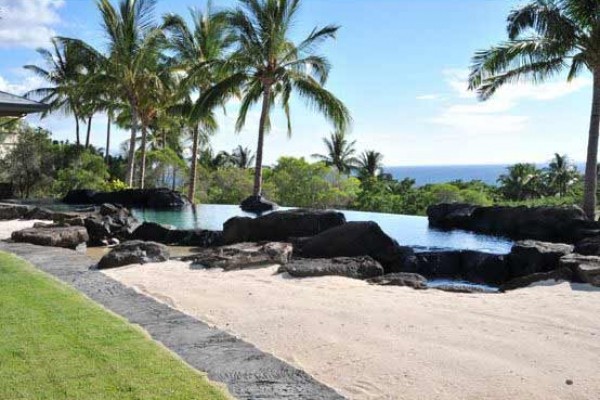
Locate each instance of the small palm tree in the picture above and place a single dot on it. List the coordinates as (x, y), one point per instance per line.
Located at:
(562, 174)
(340, 152)
(63, 74)
(523, 182)
(546, 36)
(198, 48)
(267, 67)
(242, 157)
(370, 164)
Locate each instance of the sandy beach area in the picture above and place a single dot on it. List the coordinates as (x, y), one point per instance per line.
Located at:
(372, 342)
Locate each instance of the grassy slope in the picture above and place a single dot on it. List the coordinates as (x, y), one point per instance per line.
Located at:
(57, 344)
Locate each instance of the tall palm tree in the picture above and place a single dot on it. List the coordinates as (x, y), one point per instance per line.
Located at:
(370, 164)
(562, 174)
(198, 49)
(546, 36)
(134, 48)
(522, 182)
(62, 73)
(340, 152)
(242, 157)
(267, 67)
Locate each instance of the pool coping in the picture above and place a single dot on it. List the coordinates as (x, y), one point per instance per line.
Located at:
(246, 371)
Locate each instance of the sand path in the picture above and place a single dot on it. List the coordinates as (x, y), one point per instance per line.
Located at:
(396, 343)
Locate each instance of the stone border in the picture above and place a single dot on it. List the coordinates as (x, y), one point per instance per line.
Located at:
(247, 372)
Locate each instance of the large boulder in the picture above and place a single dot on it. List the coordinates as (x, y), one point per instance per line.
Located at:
(138, 198)
(589, 246)
(586, 269)
(243, 255)
(530, 257)
(486, 268)
(71, 237)
(554, 224)
(355, 239)
(257, 205)
(280, 225)
(351, 267)
(439, 264)
(167, 234)
(134, 252)
(409, 279)
(11, 211)
(561, 274)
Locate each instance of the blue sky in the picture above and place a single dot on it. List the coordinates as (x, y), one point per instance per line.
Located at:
(399, 65)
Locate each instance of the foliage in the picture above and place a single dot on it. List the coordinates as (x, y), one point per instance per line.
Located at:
(57, 344)
(88, 171)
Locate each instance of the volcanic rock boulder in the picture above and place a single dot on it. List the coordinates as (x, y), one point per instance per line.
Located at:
(136, 198)
(440, 264)
(257, 205)
(554, 224)
(530, 257)
(413, 280)
(70, 237)
(586, 269)
(10, 211)
(479, 267)
(280, 225)
(170, 235)
(355, 239)
(134, 252)
(351, 267)
(243, 255)
(589, 246)
(560, 274)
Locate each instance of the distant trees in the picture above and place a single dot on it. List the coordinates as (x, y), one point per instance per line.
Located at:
(340, 152)
(544, 38)
(370, 164)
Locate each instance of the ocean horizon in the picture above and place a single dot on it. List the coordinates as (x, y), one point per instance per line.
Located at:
(424, 175)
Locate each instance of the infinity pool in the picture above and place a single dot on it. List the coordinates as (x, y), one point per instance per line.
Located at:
(407, 230)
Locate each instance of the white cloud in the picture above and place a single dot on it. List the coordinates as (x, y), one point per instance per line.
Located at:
(468, 116)
(28, 83)
(433, 96)
(28, 23)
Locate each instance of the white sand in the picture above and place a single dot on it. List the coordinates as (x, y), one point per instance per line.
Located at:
(374, 342)
(8, 227)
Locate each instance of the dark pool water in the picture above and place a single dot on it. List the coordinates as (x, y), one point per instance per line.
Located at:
(407, 230)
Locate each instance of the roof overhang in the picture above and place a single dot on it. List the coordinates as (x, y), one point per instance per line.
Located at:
(17, 106)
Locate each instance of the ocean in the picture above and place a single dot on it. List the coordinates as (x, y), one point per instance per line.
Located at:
(424, 175)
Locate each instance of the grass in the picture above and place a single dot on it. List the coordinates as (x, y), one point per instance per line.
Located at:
(57, 344)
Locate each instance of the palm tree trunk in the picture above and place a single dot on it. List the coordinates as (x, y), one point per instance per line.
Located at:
(77, 141)
(89, 131)
(261, 138)
(591, 168)
(194, 166)
(131, 161)
(143, 156)
(109, 123)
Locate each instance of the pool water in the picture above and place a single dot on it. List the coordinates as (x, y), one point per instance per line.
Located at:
(407, 230)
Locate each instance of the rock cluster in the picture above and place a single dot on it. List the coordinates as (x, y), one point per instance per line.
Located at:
(242, 256)
(351, 267)
(134, 252)
(133, 198)
(552, 224)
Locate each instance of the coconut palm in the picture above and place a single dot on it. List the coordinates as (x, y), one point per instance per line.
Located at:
(197, 48)
(134, 49)
(545, 37)
(62, 73)
(522, 182)
(370, 164)
(267, 67)
(340, 152)
(562, 174)
(242, 157)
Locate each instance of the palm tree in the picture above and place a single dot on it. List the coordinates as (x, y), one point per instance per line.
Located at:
(62, 72)
(134, 49)
(523, 182)
(370, 164)
(268, 67)
(546, 36)
(197, 49)
(242, 157)
(562, 174)
(340, 152)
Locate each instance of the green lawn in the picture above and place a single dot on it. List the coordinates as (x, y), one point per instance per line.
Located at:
(57, 344)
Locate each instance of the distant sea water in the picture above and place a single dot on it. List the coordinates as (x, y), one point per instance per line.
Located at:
(424, 175)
